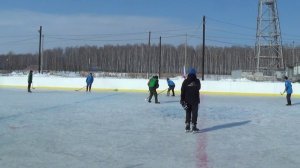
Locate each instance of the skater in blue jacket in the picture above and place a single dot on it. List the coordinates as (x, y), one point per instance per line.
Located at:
(171, 85)
(89, 82)
(289, 90)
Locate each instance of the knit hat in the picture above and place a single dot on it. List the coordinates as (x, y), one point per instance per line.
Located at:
(192, 71)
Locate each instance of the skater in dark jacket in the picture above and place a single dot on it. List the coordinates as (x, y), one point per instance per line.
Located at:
(190, 99)
(289, 90)
(89, 82)
(171, 85)
(29, 81)
(153, 85)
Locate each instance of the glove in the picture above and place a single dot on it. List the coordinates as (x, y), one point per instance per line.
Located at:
(184, 105)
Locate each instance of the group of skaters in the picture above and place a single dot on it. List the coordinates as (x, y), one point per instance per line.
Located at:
(89, 81)
(153, 85)
(189, 97)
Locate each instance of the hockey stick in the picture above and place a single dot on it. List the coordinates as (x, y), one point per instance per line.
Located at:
(162, 91)
(32, 86)
(80, 88)
(147, 98)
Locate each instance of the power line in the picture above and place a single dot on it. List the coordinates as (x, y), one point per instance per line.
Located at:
(96, 35)
(172, 30)
(236, 38)
(223, 42)
(232, 24)
(17, 41)
(16, 36)
(222, 30)
(109, 40)
(121, 34)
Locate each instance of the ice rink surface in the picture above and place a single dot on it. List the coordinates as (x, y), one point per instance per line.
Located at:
(65, 129)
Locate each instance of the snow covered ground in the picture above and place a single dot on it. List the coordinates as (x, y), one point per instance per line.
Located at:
(64, 129)
(73, 81)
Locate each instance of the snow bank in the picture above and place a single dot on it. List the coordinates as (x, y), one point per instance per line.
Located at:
(221, 86)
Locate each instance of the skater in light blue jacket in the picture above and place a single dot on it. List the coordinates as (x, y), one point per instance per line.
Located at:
(288, 90)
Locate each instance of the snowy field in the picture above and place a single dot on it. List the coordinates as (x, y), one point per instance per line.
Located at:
(68, 129)
(72, 82)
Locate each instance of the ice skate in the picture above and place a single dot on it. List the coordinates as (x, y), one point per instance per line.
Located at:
(195, 129)
(187, 128)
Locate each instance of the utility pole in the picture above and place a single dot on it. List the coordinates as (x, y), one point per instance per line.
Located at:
(149, 53)
(293, 64)
(159, 61)
(42, 54)
(203, 47)
(141, 67)
(185, 53)
(40, 48)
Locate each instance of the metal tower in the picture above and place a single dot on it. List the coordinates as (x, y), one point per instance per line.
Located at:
(268, 46)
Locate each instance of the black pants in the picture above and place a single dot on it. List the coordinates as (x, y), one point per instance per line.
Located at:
(169, 89)
(288, 99)
(152, 92)
(88, 87)
(192, 113)
(29, 86)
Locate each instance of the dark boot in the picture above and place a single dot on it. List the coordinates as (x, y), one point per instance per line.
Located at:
(156, 99)
(187, 127)
(194, 128)
(29, 87)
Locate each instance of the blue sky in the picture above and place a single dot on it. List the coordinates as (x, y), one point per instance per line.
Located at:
(100, 22)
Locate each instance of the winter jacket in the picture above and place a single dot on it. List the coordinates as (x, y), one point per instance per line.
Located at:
(90, 79)
(288, 87)
(190, 90)
(170, 83)
(153, 83)
(30, 78)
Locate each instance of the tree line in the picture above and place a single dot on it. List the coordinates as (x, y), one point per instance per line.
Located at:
(140, 58)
